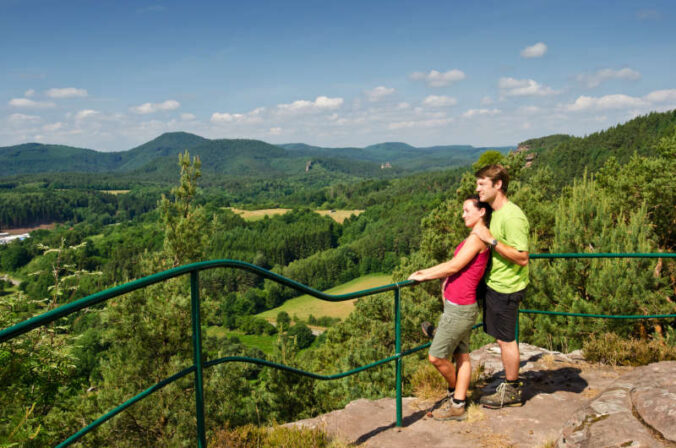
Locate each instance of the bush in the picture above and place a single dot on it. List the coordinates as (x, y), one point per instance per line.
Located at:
(250, 435)
(302, 334)
(611, 349)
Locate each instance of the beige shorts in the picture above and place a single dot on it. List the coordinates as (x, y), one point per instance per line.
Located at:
(455, 325)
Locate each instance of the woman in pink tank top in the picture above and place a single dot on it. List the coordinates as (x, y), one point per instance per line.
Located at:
(462, 275)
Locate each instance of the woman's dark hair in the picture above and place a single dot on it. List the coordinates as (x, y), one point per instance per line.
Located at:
(481, 205)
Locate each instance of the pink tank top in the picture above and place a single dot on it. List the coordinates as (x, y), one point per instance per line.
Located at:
(460, 288)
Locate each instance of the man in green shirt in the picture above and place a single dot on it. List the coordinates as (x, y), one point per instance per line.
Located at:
(507, 279)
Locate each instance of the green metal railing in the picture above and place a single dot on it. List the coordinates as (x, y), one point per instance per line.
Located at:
(199, 363)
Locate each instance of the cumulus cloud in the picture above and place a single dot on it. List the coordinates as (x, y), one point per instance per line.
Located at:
(475, 112)
(319, 104)
(22, 118)
(67, 92)
(437, 79)
(187, 117)
(250, 117)
(379, 93)
(439, 101)
(486, 101)
(275, 131)
(429, 123)
(86, 113)
(534, 51)
(149, 108)
(595, 79)
(52, 127)
(524, 87)
(29, 93)
(27, 103)
(621, 101)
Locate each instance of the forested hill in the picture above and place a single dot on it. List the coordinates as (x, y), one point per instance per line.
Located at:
(254, 158)
(570, 156)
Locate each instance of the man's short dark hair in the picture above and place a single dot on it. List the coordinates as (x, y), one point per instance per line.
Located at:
(494, 173)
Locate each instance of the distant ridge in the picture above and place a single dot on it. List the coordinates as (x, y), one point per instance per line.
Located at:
(233, 157)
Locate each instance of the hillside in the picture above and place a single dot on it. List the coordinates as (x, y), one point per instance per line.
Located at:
(156, 159)
(570, 156)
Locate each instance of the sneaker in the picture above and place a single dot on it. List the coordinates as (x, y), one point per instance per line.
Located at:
(505, 395)
(450, 412)
(428, 329)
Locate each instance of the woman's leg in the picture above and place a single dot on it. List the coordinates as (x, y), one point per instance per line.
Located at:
(445, 367)
(464, 373)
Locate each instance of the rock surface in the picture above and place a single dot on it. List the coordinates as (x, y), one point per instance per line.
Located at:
(557, 386)
(638, 410)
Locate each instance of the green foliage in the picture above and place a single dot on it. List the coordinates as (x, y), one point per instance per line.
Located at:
(610, 348)
(250, 435)
(490, 157)
(185, 224)
(302, 335)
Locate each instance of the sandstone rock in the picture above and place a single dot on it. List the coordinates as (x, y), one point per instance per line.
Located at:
(638, 410)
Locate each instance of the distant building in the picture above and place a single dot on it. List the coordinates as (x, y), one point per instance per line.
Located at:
(385, 165)
(7, 238)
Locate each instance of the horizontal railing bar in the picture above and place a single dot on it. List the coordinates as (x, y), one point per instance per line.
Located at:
(102, 296)
(602, 316)
(605, 255)
(124, 406)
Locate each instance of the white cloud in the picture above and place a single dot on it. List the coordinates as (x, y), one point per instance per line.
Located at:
(25, 102)
(67, 92)
(474, 112)
(28, 93)
(187, 117)
(534, 51)
(275, 131)
(379, 93)
(319, 104)
(21, 118)
(52, 127)
(438, 79)
(250, 117)
(595, 79)
(86, 113)
(528, 110)
(621, 101)
(149, 108)
(524, 87)
(431, 123)
(486, 101)
(402, 106)
(439, 101)
(661, 96)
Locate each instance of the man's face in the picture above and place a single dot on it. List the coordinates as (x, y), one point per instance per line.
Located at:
(486, 190)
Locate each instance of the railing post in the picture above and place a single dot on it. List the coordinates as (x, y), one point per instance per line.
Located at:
(197, 357)
(397, 348)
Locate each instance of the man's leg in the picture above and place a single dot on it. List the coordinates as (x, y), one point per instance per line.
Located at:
(509, 351)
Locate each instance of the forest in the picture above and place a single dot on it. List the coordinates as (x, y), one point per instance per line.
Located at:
(611, 191)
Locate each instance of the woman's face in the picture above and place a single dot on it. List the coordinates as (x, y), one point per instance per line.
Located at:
(471, 214)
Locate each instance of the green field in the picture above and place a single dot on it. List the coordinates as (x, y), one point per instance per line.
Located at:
(305, 305)
(263, 342)
(255, 215)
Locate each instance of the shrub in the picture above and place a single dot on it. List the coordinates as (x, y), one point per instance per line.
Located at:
(278, 436)
(609, 348)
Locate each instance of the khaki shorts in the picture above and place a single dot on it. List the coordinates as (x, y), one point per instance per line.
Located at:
(455, 325)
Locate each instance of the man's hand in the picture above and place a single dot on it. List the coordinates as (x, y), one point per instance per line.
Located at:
(483, 233)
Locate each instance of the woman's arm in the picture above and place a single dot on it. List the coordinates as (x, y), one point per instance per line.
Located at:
(473, 245)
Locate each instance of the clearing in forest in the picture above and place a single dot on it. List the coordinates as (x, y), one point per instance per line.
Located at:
(254, 215)
(305, 305)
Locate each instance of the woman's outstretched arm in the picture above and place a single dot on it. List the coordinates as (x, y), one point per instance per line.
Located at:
(473, 245)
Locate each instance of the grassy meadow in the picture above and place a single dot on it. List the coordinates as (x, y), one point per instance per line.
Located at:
(305, 305)
(254, 215)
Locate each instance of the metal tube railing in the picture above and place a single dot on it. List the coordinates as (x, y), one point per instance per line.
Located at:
(198, 362)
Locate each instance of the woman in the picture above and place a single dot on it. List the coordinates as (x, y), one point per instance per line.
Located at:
(462, 275)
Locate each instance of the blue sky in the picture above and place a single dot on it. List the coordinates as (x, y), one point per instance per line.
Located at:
(110, 75)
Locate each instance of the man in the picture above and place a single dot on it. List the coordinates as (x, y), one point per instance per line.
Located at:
(507, 279)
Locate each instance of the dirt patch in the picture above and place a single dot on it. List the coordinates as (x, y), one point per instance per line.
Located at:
(21, 230)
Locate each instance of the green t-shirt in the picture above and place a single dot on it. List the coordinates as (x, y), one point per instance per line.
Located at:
(509, 225)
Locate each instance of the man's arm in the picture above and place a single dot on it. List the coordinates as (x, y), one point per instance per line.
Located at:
(514, 255)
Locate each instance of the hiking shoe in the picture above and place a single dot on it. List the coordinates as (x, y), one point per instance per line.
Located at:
(450, 412)
(505, 395)
(428, 329)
